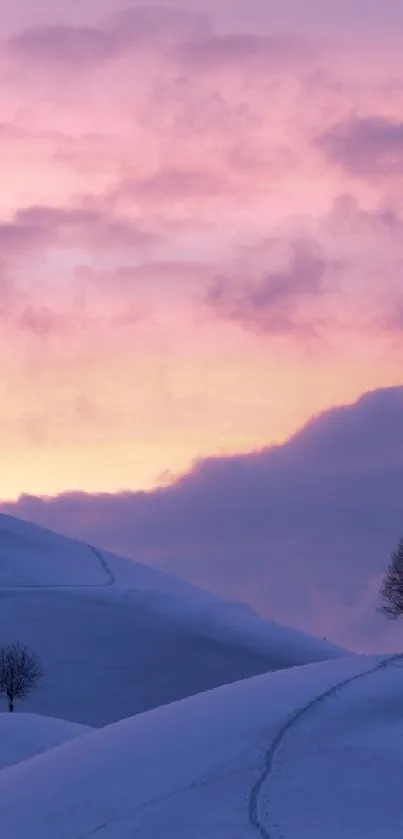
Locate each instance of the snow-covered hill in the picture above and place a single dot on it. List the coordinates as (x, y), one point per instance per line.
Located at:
(25, 735)
(117, 637)
(304, 753)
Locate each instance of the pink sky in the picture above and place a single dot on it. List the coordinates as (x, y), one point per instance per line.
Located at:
(201, 230)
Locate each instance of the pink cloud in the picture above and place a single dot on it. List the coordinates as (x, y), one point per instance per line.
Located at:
(97, 227)
(262, 53)
(39, 227)
(272, 303)
(123, 31)
(366, 146)
(42, 321)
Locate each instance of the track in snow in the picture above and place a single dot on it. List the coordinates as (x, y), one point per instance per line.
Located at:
(256, 791)
(111, 577)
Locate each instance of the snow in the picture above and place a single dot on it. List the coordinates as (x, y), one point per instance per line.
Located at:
(342, 767)
(35, 557)
(25, 735)
(117, 637)
(303, 753)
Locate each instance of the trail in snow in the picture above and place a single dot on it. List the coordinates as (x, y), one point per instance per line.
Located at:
(254, 799)
(111, 577)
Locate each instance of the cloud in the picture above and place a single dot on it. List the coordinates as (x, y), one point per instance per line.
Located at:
(266, 52)
(42, 321)
(393, 320)
(191, 36)
(122, 32)
(17, 236)
(171, 184)
(43, 308)
(302, 531)
(365, 146)
(43, 225)
(95, 227)
(272, 304)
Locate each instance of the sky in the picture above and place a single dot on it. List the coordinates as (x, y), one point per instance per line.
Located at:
(201, 239)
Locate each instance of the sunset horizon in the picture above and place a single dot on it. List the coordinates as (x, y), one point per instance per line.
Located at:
(201, 235)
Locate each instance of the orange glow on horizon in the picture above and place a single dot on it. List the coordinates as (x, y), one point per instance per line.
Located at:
(186, 272)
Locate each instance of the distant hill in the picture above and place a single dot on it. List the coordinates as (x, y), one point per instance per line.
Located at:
(117, 638)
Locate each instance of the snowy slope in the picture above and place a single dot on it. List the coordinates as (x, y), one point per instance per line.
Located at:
(117, 637)
(305, 753)
(25, 735)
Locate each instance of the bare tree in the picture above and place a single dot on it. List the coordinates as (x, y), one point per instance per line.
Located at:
(392, 586)
(20, 670)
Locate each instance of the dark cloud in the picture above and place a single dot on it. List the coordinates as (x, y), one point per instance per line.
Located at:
(301, 531)
(365, 146)
(38, 226)
(124, 31)
(94, 226)
(364, 434)
(272, 303)
(19, 235)
(265, 51)
(61, 43)
(190, 34)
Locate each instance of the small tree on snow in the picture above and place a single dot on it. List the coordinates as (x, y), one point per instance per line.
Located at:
(20, 670)
(392, 586)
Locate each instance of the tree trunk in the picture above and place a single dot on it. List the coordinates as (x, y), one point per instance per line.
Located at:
(11, 703)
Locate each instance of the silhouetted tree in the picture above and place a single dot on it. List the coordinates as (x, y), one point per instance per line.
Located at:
(20, 670)
(392, 586)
